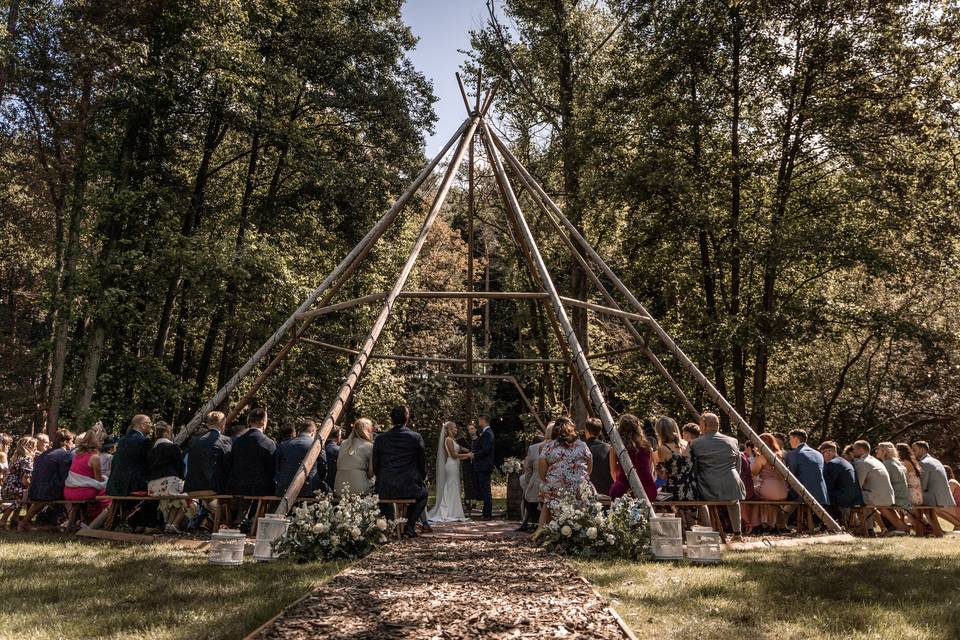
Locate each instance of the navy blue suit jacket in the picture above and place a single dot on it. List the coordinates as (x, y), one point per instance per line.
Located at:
(50, 470)
(251, 465)
(128, 470)
(207, 462)
(288, 457)
(483, 452)
(842, 485)
(400, 464)
(332, 453)
(806, 464)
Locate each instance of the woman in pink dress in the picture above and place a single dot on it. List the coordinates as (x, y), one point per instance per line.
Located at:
(768, 483)
(641, 455)
(85, 480)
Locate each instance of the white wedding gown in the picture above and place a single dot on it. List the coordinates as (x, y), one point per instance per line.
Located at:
(448, 507)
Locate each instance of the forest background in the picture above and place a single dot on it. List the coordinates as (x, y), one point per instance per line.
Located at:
(776, 181)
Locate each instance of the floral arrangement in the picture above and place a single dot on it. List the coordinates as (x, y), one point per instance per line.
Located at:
(328, 530)
(512, 465)
(580, 527)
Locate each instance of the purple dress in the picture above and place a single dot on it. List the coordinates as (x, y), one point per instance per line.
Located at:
(641, 462)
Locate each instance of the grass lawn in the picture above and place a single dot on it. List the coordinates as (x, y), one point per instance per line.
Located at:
(56, 586)
(901, 589)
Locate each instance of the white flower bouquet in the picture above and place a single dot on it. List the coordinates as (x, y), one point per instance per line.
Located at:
(511, 465)
(581, 528)
(328, 530)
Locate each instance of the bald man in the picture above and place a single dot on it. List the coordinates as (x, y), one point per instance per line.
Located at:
(129, 466)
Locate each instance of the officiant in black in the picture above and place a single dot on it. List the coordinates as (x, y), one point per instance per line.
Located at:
(400, 466)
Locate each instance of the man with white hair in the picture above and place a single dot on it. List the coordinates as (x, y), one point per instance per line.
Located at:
(716, 461)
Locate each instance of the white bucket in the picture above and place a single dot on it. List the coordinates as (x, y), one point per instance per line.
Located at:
(270, 528)
(226, 547)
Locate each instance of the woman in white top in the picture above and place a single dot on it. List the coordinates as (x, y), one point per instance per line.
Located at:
(530, 483)
(448, 507)
(355, 463)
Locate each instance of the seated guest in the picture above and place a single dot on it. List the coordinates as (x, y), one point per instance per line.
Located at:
(17, 479)
(641, 455)
(5, 442)
(935, 484)
(913, 471)
(843, 488)
(50, 471)
(43, 442)
(954, 483)
(85, 480)
(848, 454)
(208, 458)
(673, 453)
(530, 482)
(165, 472)
(355, 465)
(564, 467)
(107, 449)
(128, 471)
(331, 450)
(769, 485)
(690, 432)
(251, 466)
(400, 466)
(875, 484)
(286, 432)
(806, 464)
(600, 450)
(746, 476)
(716, 463)
(291, 453)
(887, 454)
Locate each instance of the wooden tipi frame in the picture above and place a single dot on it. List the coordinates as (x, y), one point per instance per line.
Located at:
(500, 159)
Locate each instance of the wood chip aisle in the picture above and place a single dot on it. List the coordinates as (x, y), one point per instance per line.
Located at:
(451, 586)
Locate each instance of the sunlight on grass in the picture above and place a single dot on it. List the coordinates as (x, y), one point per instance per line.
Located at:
(56, 586)
(871, 589)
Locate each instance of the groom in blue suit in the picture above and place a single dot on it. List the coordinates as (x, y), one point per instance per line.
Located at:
(483, 465)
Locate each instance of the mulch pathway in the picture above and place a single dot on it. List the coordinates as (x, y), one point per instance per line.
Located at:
(474, 580)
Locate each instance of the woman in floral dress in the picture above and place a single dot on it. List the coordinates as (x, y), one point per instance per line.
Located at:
(565, 465)
(17, 480)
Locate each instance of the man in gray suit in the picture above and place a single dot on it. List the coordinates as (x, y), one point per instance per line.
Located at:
(875, 485)
(933, 482)
(716, 463)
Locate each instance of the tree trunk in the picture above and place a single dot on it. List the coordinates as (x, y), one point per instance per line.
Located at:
(6, 64)
(737, 355)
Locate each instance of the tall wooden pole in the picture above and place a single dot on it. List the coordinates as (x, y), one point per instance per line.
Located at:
(471, 204)
(665, 338)
(343, 269)
(582, 366)
(359, 364)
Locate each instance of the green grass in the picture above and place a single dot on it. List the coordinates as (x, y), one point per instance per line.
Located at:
(902, 589)
(55, 586)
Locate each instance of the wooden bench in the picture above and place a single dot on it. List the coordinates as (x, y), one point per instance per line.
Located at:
(399, 514)
(806, 522)
(915, 515)
(34, 507)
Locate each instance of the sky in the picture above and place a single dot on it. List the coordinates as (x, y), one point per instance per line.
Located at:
(443, 29)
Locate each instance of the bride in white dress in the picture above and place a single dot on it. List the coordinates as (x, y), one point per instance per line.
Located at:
(448, 507)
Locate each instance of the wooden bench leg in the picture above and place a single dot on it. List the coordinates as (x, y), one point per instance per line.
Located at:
(935, 524)
(73, 512)
(261, 508)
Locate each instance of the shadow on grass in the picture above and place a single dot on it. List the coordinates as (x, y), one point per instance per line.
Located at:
(885, 591)
(56, 586)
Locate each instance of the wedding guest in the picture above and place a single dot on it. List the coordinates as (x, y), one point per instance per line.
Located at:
(331, 450)
(530, 482)
(483, 456)
(770, 486)
(17, 480)
(290, 454)
(208, 459)
(85, 481)
(564, 467)
(50, 471)
(806, 464)
(251, 459)
(843, 488)
(690, 432)
(286, 432)
(129, 466)
(355, 463)
(912, 469)
(716, 459)
(887, 454)
(954, 483)
(400, 466)
(5, 442)
(784, 441)
(107, 449)
(43, 442)
(641, 455)
(848, 454)
(600, 450)
(935, 484)
(875, 485)
(674, 454)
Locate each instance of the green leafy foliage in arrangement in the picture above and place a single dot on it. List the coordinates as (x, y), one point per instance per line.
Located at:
(348, 528)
